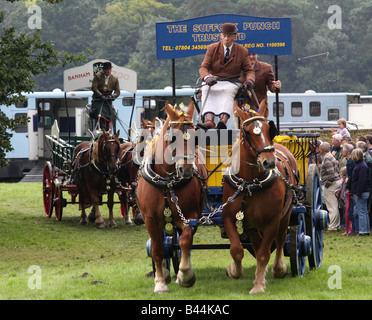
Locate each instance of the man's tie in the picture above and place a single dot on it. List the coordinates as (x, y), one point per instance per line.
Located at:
(227, 55)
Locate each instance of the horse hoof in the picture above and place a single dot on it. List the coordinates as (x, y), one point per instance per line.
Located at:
(83, 222)
(256, 290)
(161, 288)
(279, 273)
(186, 284)
(112, 225)
(101, 225)
(138, 221)
(232, 272)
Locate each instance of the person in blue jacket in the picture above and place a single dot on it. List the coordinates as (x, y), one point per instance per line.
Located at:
(360, 188)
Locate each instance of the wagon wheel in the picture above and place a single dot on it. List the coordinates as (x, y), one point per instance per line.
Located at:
(176, 252)
(58, 202)
(314, 197)
(297, 255)
(48, 189)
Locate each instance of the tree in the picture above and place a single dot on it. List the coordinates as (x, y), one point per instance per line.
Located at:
(22, 57)
(116, 32)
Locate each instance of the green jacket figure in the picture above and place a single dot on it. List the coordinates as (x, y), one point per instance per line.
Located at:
(103, 85)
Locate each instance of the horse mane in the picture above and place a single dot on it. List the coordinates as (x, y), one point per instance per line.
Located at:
(95, 149)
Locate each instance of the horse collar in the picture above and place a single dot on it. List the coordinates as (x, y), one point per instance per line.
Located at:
(260, 183)
(160, 182)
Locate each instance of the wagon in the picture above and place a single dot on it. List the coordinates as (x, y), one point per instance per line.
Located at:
(58, 176)
(308, 218)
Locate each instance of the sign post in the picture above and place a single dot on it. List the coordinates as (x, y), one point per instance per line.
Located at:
(80, 78)
(184, 38)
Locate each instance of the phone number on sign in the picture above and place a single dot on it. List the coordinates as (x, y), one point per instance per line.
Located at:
(185, 47)
(193, 47)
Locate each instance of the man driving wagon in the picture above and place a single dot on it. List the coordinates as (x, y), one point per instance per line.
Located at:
(220, 70)
(103, 85)
(226, 67)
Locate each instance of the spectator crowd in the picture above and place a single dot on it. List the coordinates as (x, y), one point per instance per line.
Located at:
(346, 171)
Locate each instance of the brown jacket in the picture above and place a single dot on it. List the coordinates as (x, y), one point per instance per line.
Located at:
(264, 78)
(99, 82)
(238, 63)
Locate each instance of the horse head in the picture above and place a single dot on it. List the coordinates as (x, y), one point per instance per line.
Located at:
(179, 133)
(110, 146)
(258, 134)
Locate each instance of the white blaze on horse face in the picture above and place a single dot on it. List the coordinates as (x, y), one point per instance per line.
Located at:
(261, 134)
(266, 163)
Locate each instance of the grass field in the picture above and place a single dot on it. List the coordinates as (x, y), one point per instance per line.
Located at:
(67, 261)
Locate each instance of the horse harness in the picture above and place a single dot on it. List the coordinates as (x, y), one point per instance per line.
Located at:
(262, 182)
(92, 162)
(172, 181)
(246, 187)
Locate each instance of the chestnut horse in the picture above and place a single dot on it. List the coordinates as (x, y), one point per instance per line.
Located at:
(262, 188)
(130, 158)
(172, 178)
(95, 164)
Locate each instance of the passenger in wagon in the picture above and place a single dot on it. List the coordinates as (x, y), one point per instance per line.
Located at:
(264, 80)
(220, 70)
(103, 85)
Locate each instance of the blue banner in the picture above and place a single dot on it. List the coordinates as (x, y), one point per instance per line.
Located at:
(184, 38)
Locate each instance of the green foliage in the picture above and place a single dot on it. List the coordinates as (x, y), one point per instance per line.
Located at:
(124, 32)
(7, 124)
(117, 31)
(24, 56)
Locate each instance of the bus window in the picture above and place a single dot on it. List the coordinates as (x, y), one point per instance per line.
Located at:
(147, 103)
(127, 102)
(296, 109)
(22, 104)
(21, 128)
(281, 109)
(333, 114)
(315, 109)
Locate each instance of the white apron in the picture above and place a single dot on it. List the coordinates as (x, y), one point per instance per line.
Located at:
(220, 98)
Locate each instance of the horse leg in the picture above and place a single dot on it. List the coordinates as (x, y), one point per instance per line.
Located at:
(263, 257)
(110, 205)
(186, 275)
(100, 223)
(279, 269)
(92, 215)
(162, 275)
(234, 269)
(83, 216)
(124, 202)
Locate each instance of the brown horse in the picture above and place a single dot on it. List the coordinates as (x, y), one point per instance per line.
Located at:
(171, 178)
(263, 196)
(130, 158)
(95, 164)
